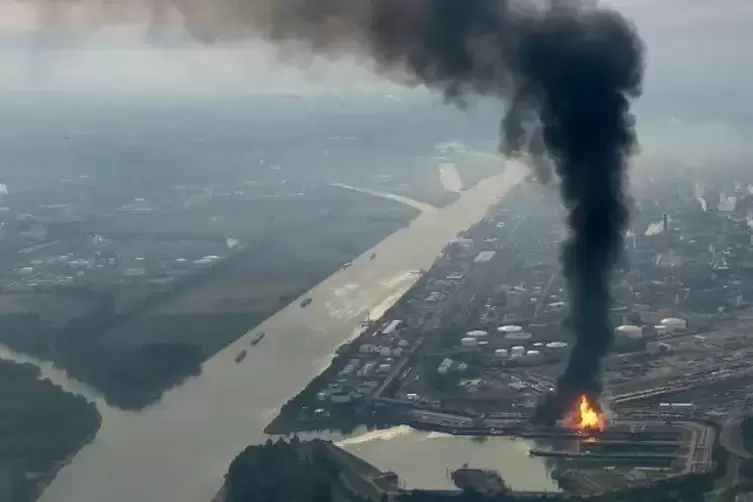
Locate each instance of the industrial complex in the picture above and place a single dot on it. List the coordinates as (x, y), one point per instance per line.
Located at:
(479, 341)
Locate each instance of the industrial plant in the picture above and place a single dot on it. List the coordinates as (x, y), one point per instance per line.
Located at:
(481, 339)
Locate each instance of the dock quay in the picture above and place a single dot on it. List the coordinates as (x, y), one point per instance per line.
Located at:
(602, 456)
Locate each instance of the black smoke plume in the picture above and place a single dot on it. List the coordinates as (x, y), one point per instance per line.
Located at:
(567, 70)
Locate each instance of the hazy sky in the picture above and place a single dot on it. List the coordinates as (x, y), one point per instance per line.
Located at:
(698, 81)
(698, 45)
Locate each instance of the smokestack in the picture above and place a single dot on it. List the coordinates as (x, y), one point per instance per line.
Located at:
(567, 70)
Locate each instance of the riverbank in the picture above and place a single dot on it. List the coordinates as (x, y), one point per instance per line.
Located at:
(133, 357)
(43, 427)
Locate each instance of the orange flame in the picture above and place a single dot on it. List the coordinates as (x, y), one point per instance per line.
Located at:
(587, 417)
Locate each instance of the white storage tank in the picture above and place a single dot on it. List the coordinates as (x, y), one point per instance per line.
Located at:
(462, 367)
(501, 353)
(397, 352)
(468, 342)
(630, 331)
(674, 324)
(444, 366)
(517, 351)
(476, 333)
(556, 345)
(509, 328)
(385, 352)
(403, 344)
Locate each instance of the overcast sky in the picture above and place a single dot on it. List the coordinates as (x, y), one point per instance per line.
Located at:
(698, 85)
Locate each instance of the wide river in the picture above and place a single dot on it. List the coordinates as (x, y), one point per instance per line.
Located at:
(179, 449)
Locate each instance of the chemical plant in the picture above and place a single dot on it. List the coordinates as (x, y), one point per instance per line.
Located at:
(482, 337)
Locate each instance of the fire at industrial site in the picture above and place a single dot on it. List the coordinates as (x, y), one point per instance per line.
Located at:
(586, 416)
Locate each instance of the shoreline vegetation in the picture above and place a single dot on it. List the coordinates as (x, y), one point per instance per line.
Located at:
(43, 427)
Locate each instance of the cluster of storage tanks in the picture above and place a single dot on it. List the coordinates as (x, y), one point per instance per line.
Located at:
(384, 350)
(665, 327)
(628, 336)
(448, 365)
(512, 334)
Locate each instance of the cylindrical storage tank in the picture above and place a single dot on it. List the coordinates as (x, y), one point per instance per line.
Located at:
(475, 333)
(556, 345)
(517, 351)
(385, 351)
(674, 324)
(630, 331)
(518, 335)
(661, 330)
(462, 367)
(510, 328)
(501, 353)
(397, 352)
(468, 342)
(444, 366)
(403, 343)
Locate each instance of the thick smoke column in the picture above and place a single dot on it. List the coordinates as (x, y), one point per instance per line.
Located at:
(566, 69)
(595, 66)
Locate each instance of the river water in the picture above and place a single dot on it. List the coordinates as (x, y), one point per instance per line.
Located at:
(179, 449)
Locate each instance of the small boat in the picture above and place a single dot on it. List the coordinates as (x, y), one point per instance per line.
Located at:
(347, 265)
(373, 255)
(306, 302)
(257, 337)
(241, 356)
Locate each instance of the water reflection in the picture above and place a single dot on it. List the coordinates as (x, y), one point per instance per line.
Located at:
(423, 460)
